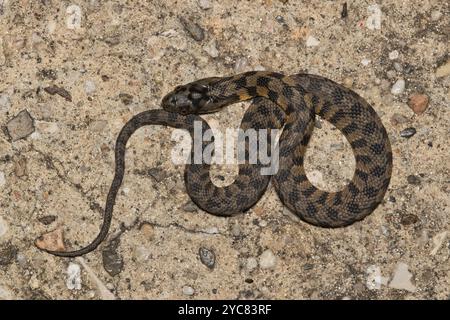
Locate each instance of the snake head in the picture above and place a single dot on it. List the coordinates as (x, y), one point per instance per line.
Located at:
(192, 98)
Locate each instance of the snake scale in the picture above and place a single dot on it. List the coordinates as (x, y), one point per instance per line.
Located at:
(279, 101)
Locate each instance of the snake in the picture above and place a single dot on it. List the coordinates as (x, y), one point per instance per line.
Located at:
(286, 102)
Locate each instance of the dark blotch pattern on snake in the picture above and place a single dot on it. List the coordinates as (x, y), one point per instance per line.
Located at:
(288, 102)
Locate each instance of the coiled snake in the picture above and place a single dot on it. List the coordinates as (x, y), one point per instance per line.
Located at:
(288, 102)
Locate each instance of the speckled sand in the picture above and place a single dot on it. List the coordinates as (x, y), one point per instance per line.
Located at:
(110, 60)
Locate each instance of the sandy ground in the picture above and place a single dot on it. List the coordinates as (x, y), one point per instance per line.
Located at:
(109, 60)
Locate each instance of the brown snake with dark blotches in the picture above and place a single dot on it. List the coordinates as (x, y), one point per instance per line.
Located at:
(284, 101)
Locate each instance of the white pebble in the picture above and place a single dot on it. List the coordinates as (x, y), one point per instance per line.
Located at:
(365, 62)
(374, 278)
(267, 260)
(374, 19)
(259, 68)
(393, 55)
(142, 253)
(251, 263)
(438, 240)
(73, 281)
(312, 42)
(241, 65)
(398, 87)
(212, 230)
(5, 294)
(188, 291)
(2, 179)
(211, 49)
(89, 87)
(3, 227)
(402, 278)
(204, 4)
(73, 20)
(5, 102)
(436, 15)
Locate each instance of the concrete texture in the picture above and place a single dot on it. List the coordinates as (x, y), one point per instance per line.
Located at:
(82, 68)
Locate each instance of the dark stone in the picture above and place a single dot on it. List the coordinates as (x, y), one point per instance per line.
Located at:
(47, 220)
(52, 90)
(126, 98)
(408, 219)
(112, 261)
(408, 132)
(190, 206)
(7, 254)
(412, 179)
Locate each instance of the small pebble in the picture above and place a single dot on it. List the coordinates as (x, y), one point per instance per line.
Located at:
(308, 266)
(126, 98)
(190, 206)
(241, 65)
(52, 90)
(398, 119)
(3, 227)
(344, 11)
(207, 257)
(5, 294)
(112, 261)
(398, 87)
(418, 103)
(236, 230)
(436, 15)
(337, 146)
(211, 49)
(373, 21)
(412, 179)
(393, 55)
(408, 132)
(365, 62)
(46, 220)
(398, 67)
(20, 167)
(212, 230)
(443, 70)
(408, 219)
(73, 281)
(188, 291)
(21, 126)
(8, 254)
(267, 260)
(374, 278)
(53, 240)
(2, 179)
(73, 20)
(392, 199)
(251, 263)
(89, 87)
(142, 253)
(158, 174)
(204, 4)
(193, 29)
(348, 82)
(312, 42)
(402, 278)
(391, 74)
(147, 230)
(5, 102)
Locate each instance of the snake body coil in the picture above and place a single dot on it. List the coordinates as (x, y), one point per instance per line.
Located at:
(280, 101)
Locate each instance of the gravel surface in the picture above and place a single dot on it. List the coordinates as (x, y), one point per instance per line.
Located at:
(73, 73)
